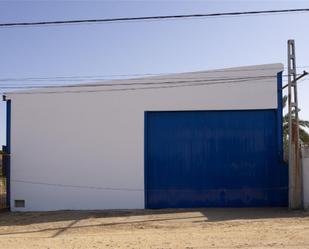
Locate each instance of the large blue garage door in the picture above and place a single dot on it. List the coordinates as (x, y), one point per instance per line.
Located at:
(213, 159)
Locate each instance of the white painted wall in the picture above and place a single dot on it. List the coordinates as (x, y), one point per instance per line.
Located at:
(72, 146)
(305, 168)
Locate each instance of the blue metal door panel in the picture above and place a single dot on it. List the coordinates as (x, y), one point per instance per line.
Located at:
(213, 159)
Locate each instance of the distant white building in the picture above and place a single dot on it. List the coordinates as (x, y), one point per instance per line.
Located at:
(201, 139)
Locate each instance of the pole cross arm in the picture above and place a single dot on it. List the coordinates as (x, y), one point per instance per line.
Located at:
(298, 78)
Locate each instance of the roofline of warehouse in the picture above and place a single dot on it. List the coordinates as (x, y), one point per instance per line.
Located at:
(259, 70)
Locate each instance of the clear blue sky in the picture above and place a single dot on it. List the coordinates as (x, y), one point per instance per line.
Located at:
(147, 47)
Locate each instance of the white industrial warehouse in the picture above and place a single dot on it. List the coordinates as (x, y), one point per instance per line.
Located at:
(200, 139)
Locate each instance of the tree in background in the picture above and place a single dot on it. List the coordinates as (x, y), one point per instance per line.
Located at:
(303, 124)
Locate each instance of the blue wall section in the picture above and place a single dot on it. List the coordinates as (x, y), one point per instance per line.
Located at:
(213, 159)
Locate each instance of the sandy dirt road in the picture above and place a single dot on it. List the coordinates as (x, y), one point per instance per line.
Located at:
(191, 228)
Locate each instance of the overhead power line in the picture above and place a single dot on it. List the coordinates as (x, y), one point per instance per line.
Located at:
(139, 86)
(125, 82)
(101, 82)
(111, 188)
(123, 76)
(192, 83)
(162, 81)
(147, 18)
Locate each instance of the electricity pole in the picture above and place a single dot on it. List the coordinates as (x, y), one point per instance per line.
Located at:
(295, 192)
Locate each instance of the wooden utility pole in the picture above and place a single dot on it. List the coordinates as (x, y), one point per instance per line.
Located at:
(295, 192)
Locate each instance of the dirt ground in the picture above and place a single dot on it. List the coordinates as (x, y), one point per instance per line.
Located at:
(174, 228)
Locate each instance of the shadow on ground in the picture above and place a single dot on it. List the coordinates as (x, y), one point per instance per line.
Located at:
(210, 215)
(136, 218)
